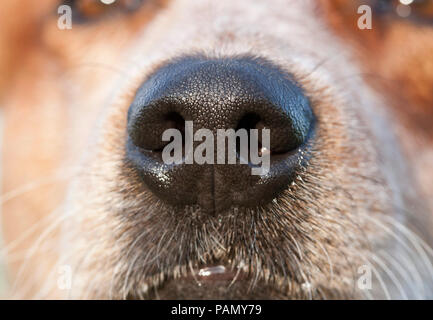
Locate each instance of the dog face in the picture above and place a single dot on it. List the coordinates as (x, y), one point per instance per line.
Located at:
(87, 108)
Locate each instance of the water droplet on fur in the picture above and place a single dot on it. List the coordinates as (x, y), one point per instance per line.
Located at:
(306, 286)
(206, 272)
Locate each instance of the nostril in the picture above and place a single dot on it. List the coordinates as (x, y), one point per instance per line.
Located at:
(249, 121)
(146, 129)
(173, 120)
(283, 138)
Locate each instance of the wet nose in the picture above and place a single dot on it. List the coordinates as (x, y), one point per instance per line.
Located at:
(223, 96)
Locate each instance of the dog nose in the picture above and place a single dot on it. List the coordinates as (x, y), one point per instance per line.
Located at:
(196, 93)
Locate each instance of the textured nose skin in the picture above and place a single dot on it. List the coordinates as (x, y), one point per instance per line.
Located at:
(229, 93)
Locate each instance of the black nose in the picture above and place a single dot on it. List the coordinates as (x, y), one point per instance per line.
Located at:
(228, 93)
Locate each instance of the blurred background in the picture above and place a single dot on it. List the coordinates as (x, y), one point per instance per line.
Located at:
(3, 284)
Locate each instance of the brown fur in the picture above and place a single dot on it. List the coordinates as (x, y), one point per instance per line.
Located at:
(65, 97)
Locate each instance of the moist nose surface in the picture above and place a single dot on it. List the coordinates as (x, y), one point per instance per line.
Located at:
(214, 94)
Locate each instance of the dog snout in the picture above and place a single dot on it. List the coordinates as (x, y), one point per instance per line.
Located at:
(238, 96)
